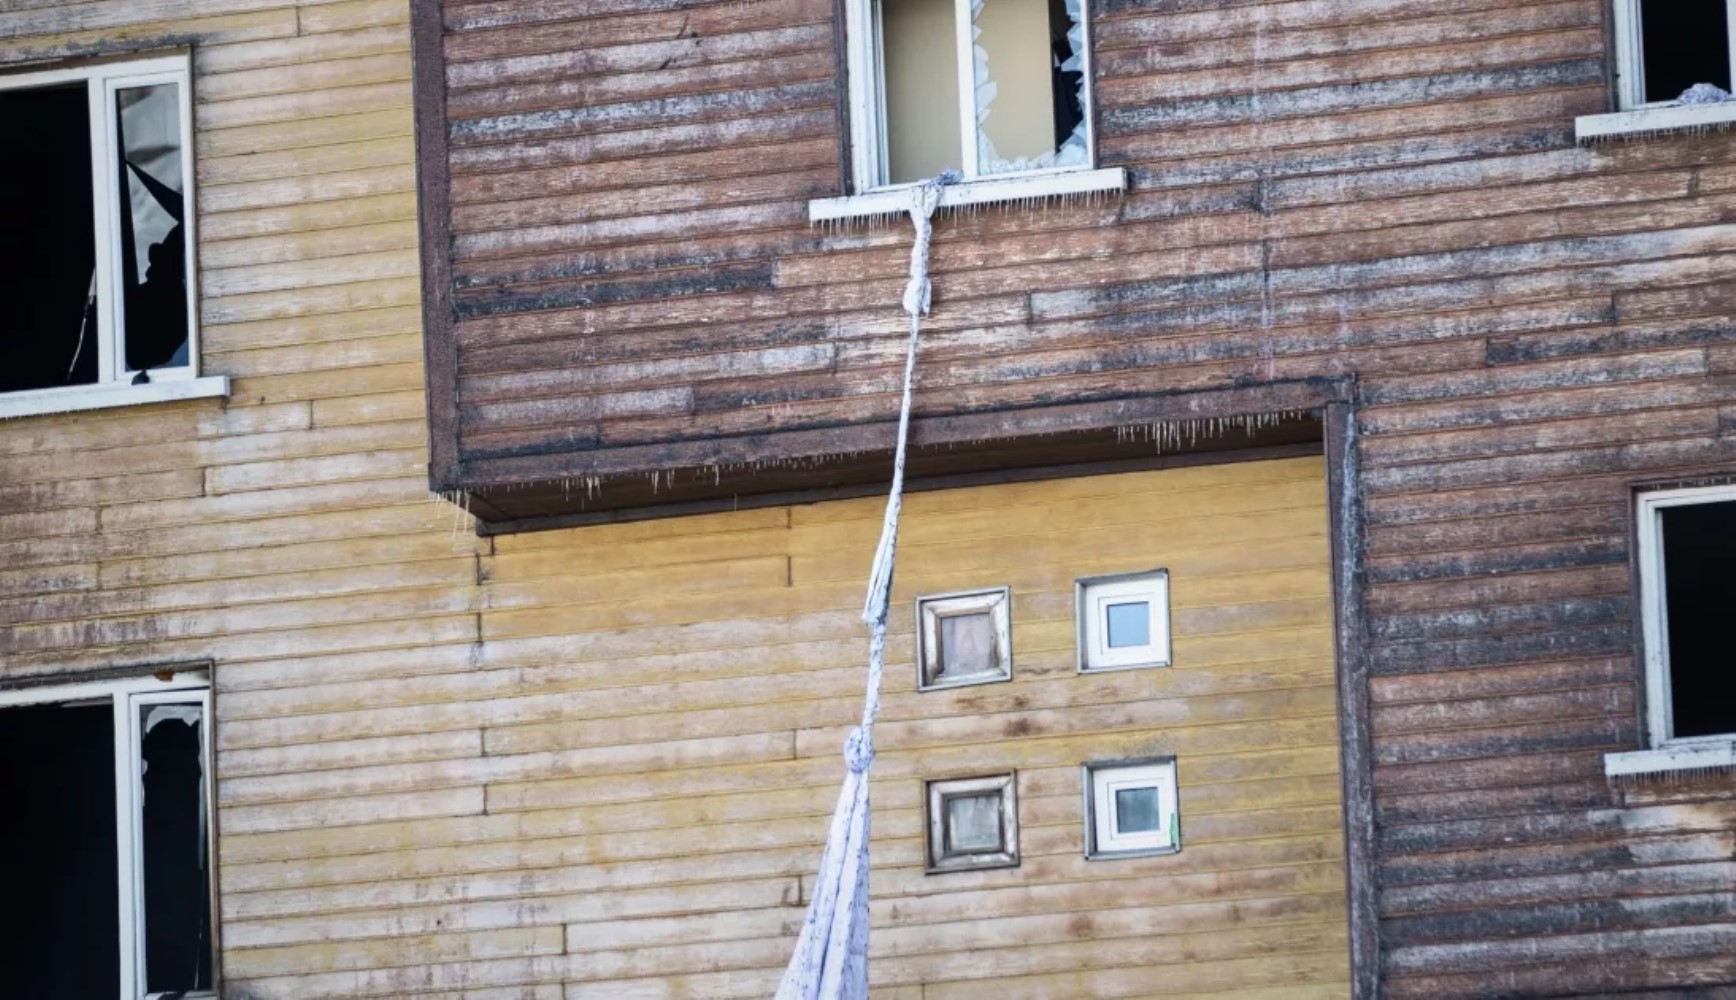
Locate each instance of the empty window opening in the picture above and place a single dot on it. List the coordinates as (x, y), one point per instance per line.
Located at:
(1699, 556)
(981, 86)
(172, 825)
(98, 290)
(57, 851)
(107, 836)
(1683, 42)
(48, 285)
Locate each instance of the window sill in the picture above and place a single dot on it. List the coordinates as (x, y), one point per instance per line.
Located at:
(1654, 121)
(985, 191)
(68, 399)
(1678, 757)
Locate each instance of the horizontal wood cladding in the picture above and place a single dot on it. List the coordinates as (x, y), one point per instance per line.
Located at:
(1318, 189)
(1358, 190)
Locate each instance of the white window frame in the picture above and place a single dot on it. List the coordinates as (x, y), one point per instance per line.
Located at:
(996, 602)
(1634, 114)
(938, 792)
(1092, 598)
(872, 194)
(113, 386)
(1102, 779)
(127, 695)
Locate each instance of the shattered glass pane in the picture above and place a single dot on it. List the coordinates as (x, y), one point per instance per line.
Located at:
(48, 326)
(1030, 82)
(973, 823)
(172, 821)
(967, 645)
(1684, 42)
(153, 245)
(921, 58)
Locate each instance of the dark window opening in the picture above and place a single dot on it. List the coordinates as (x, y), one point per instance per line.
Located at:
(172, 824)
(60, 936)
(1064, 82)
(1699, 567)
(1683, 42)
(48, 324)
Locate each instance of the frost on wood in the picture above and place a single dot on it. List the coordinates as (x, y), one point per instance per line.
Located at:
(1172, 435)
(831, 956)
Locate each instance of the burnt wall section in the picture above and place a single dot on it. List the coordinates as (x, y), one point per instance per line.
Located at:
(1319, 188)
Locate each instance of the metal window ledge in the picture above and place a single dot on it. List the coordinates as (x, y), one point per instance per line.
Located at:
(984, 191)
(67, 399)
(1678, 757)
(1654, 121)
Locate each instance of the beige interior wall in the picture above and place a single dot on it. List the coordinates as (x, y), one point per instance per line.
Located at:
(1015, 33)
(921, 55)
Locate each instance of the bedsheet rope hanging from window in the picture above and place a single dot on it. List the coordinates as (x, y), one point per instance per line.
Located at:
(831, 957)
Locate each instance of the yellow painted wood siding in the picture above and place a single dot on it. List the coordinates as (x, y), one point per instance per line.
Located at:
(598, 763)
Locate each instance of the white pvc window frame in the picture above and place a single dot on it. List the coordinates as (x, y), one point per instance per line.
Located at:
(1094, 596)
(866, 69)
(1630, 55)
(1655, 613)
(127, 696)
(1103, 836)
(113, 385)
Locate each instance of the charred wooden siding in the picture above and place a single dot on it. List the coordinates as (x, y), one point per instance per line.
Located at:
(1320, 187)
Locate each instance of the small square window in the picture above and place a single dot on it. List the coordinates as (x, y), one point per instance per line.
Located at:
(964, 638)
(1130, 808)
(973, 823)
(1124, 621)
(1687, 553)
(1666, 47)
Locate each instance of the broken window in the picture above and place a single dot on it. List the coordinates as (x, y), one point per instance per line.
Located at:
(985, 87)
(107, 788)
(1687, 559)
(100, 196)
(1673, 51)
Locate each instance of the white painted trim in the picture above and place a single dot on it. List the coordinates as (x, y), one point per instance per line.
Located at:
(71, 398)
(1092, 599)
(988, 190)
(1677, 757)
(1654, 611)
(1653, 120)
(183, 680)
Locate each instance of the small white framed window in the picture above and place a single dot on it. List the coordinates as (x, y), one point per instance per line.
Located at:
(109, 798)
(964, 638)
(106, 300)
(990, 88)
(1665, 48)
(1131, 808)
(973, 823)
(1123, 621)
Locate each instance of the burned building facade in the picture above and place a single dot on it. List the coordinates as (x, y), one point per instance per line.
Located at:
(1320, 494)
